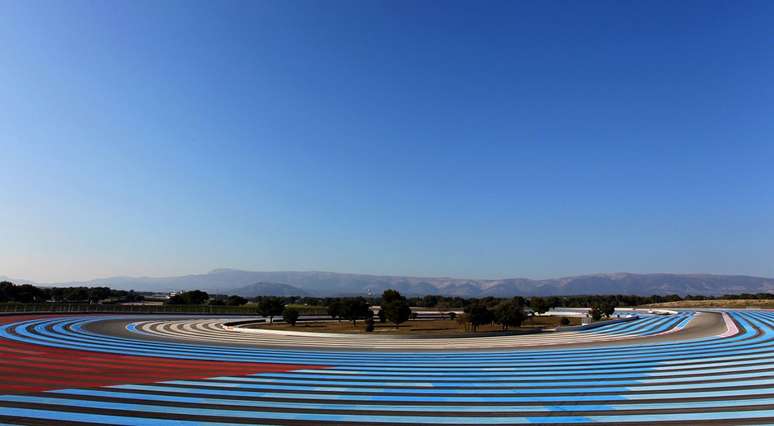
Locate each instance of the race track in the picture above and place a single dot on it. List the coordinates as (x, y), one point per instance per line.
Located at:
(221, 331)
(183, 371)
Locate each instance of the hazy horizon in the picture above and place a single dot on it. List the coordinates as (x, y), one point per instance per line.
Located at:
(510, 139)
(490, 278)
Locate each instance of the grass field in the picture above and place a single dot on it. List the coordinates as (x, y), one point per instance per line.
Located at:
(718, 303)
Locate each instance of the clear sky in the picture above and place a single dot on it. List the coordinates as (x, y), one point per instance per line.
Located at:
(472, 139)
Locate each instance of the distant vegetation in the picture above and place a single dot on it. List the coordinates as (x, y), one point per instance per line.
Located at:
(195, 297)
(27, 293)
(395, 308)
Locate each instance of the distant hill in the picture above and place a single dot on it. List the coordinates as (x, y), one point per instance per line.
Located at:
(264, 289)
(15, 280)
(341, 284)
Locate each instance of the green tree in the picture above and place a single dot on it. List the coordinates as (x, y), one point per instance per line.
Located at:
(539, 305)
(478, 314)
(355, 309)
(96, 294)
(596, 313)
(510, 313)
(81, 294)
(27, 293)
(270, 307)
(602, 308)
(132, 296)
(397, 312)
(194, 297)
(336, 310)
(608, 309)
(430, 301)
(396, 308)
(7, 291)
(554, 301)
(235, 300)
(389, 295)
(290, 315)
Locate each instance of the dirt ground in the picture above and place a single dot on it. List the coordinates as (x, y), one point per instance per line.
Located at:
(418, 327)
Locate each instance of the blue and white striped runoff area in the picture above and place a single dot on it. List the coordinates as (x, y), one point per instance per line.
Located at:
(724, 379)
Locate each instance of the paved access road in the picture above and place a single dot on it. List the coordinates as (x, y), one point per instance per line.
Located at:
(725, 378)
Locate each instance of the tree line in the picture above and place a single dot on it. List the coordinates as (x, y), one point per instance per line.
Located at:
(27, 293)
(578, 301)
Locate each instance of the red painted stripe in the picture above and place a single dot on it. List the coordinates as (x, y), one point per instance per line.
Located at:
(31, 368)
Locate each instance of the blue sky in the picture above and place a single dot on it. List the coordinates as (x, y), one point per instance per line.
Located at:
(531, 139)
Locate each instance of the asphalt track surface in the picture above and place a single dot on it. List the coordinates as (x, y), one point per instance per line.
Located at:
(115, 370)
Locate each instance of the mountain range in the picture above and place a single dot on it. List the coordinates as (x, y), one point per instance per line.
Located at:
(292, 283)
